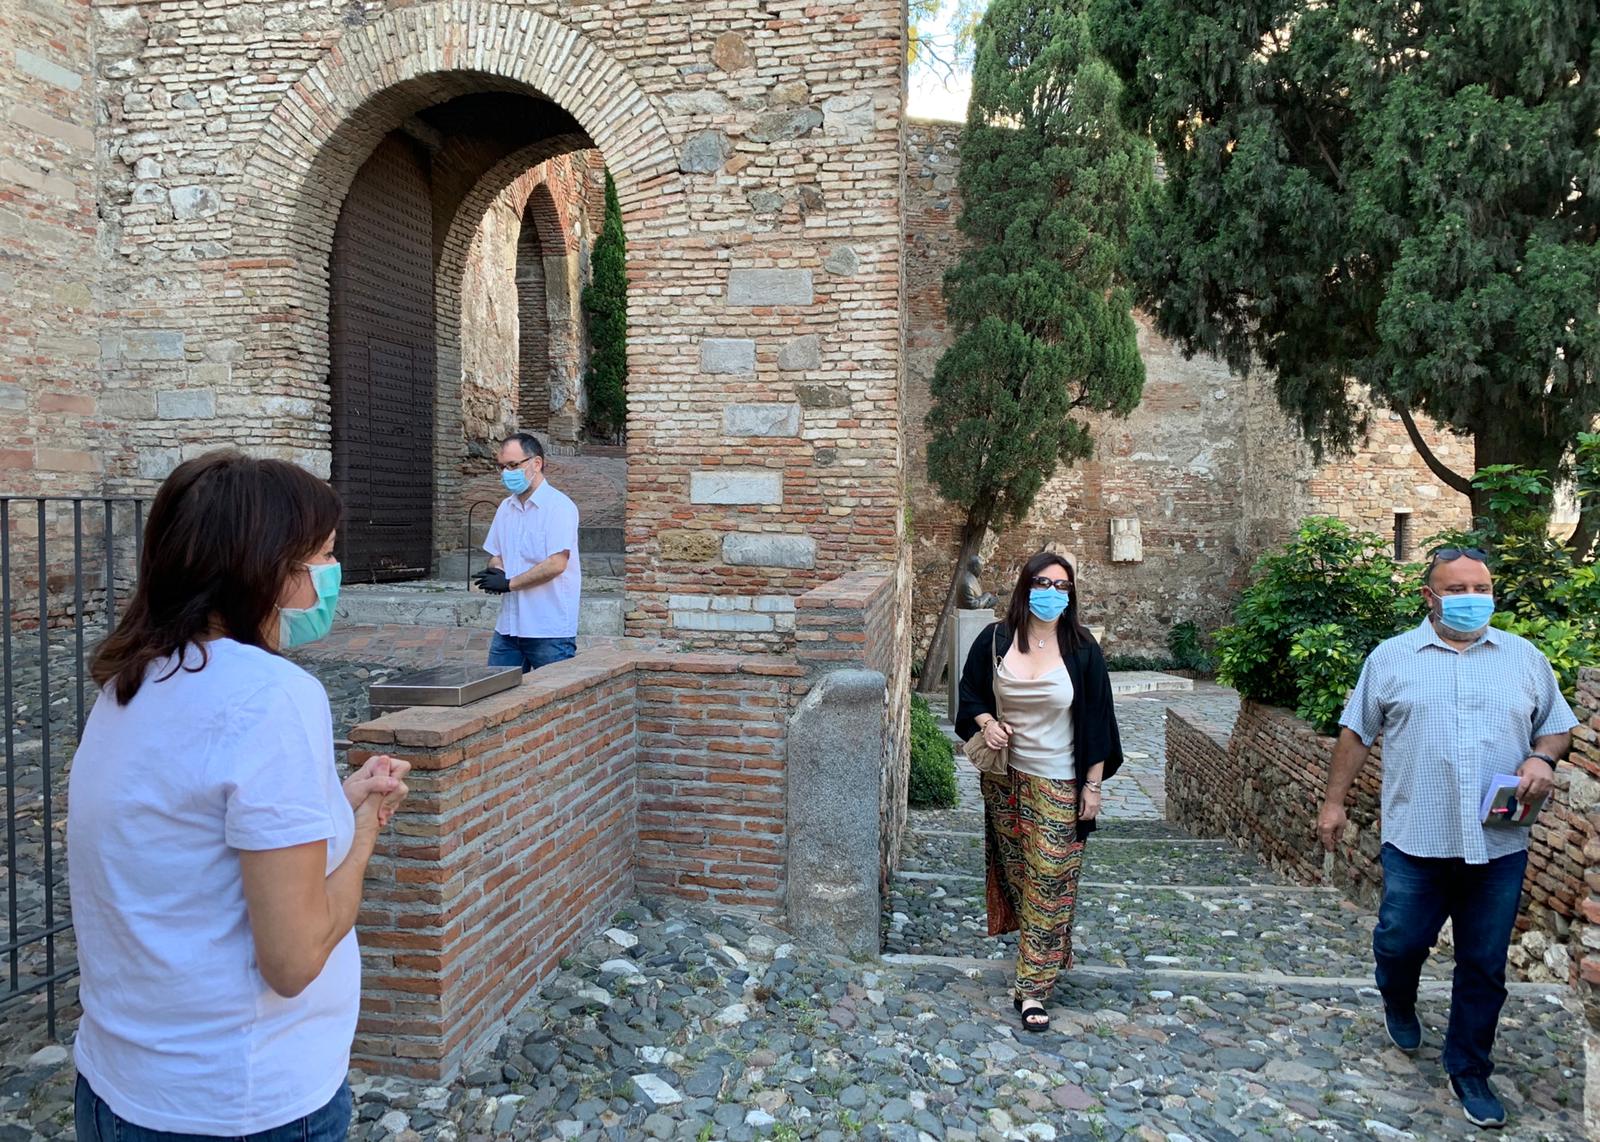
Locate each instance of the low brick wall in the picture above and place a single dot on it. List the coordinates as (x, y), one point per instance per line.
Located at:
(1264, 787)
(536, 813)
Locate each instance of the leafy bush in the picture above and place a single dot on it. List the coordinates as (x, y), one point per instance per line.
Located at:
(1314, 610)
(1188, 649)
(1115, 662)
(933, 765)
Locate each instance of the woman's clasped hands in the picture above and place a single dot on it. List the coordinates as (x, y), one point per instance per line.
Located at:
(376, 790)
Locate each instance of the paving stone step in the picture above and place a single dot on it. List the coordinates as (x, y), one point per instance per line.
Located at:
(1243, 929)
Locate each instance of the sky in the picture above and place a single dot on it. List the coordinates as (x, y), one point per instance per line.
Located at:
(934, 93)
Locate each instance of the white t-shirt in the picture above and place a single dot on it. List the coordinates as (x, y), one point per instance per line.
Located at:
(179, 1030)
(525, 534)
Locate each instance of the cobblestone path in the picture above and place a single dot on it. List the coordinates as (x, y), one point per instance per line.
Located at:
(1213, 1001)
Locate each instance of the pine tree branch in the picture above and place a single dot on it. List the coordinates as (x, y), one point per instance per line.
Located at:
(1451, 479)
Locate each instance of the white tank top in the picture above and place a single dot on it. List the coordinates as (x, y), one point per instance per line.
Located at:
(1039, 712)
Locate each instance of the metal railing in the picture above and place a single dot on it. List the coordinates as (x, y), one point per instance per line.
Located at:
(47, 627)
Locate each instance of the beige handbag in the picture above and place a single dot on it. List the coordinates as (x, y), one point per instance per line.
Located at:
(986, 759)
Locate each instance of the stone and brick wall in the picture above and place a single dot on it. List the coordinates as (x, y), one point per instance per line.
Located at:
(757, 153)
(1207, 466)
(851, 622)
(1263, 786)
(534, 814)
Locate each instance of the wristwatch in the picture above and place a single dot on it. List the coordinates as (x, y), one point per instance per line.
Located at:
(1544, 757)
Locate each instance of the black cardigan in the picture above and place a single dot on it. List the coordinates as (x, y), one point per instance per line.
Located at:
(1095, 737)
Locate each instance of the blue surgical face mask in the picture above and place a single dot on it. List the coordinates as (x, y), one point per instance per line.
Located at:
(1466, 613)
(1047, 604)
(300, 625)
(515, 480)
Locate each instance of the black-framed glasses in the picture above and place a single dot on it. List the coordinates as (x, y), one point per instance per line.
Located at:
(1451, 554)
(518, 464)
(1044, 583)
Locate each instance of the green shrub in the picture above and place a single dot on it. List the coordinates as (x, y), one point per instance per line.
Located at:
(605, 301)
(1140, 662)
(1313, 611)
(933, 765)
(1188, 648)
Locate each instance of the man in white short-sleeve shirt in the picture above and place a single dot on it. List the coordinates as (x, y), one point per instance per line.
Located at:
(1457, 703)
(533, 549)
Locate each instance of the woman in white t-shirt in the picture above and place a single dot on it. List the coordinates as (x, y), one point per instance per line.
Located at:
(216, 860)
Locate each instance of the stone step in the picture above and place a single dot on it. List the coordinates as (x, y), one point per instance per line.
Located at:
(1246, 928)
(440, 603)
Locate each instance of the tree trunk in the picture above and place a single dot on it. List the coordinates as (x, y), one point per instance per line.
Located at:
(1507, 442)
(1583, 539)
(933, 665)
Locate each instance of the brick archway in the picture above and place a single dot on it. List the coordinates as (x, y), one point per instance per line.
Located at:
(372, 81)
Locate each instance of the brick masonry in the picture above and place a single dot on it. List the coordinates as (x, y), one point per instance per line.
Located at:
(171, 255)
(1207, 466)
(536, 813)
(1263, 786)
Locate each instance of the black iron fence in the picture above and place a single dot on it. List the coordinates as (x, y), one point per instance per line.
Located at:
(65, 564)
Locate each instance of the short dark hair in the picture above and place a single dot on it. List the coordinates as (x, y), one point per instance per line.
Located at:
(1070, 633)
(530, 444)
(225, 532)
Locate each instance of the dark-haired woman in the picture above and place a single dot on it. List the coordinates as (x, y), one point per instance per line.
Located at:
(1055, 716)
(216, 859)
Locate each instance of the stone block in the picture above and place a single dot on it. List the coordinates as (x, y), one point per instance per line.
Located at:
(679, 545)
(186, 404)
(698, 103)
(747, 622)
(736, 486)
(843, 262)
(151, 345)
(823, 396)
(836, 750)
(47, 70)
(784, 124)
(1126, 544)
(731, 53)
(158, 463)
(728, 356)
(13, 397)
(193, 202)
(849, 117)
(968, 625)
(704, 152)
(801, 353)
(127, 404)
(763, 549)
(761, 420)
(770, 287)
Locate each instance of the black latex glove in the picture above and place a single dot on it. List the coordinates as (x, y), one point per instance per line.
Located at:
(493, 580)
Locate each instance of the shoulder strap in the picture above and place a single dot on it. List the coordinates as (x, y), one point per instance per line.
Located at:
(994, 653)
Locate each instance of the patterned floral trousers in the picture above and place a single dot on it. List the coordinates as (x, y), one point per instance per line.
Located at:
(1034, 861)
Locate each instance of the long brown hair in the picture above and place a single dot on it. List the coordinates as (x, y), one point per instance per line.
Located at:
(1070, 633)
(225, 533)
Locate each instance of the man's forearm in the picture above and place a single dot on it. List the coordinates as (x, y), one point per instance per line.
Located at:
(1556, 745)
(1349, 755)
(541, 572)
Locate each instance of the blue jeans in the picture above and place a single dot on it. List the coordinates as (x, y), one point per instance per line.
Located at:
(529, 653)
(95, 1122)
(1481, 902)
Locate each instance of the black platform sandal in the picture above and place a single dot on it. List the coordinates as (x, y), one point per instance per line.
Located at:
(1034, 1019)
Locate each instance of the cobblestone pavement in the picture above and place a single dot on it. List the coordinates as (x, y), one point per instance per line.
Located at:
(681, 1023)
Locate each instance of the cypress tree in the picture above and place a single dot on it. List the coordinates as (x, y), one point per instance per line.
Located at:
(1051, 184)
(605, 301)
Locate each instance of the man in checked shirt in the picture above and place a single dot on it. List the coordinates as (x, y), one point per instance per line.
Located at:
(1456, 702)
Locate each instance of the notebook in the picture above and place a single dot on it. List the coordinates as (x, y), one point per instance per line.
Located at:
(1501, 809)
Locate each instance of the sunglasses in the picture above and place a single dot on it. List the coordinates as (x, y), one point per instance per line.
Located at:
(1044, 583)
(1451, 554)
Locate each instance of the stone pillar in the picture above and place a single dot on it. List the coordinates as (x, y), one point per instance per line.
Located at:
(834, 762)
(968, 625)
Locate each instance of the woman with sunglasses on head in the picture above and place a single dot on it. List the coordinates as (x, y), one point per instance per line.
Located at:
(1045, 676)
(216, 858)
